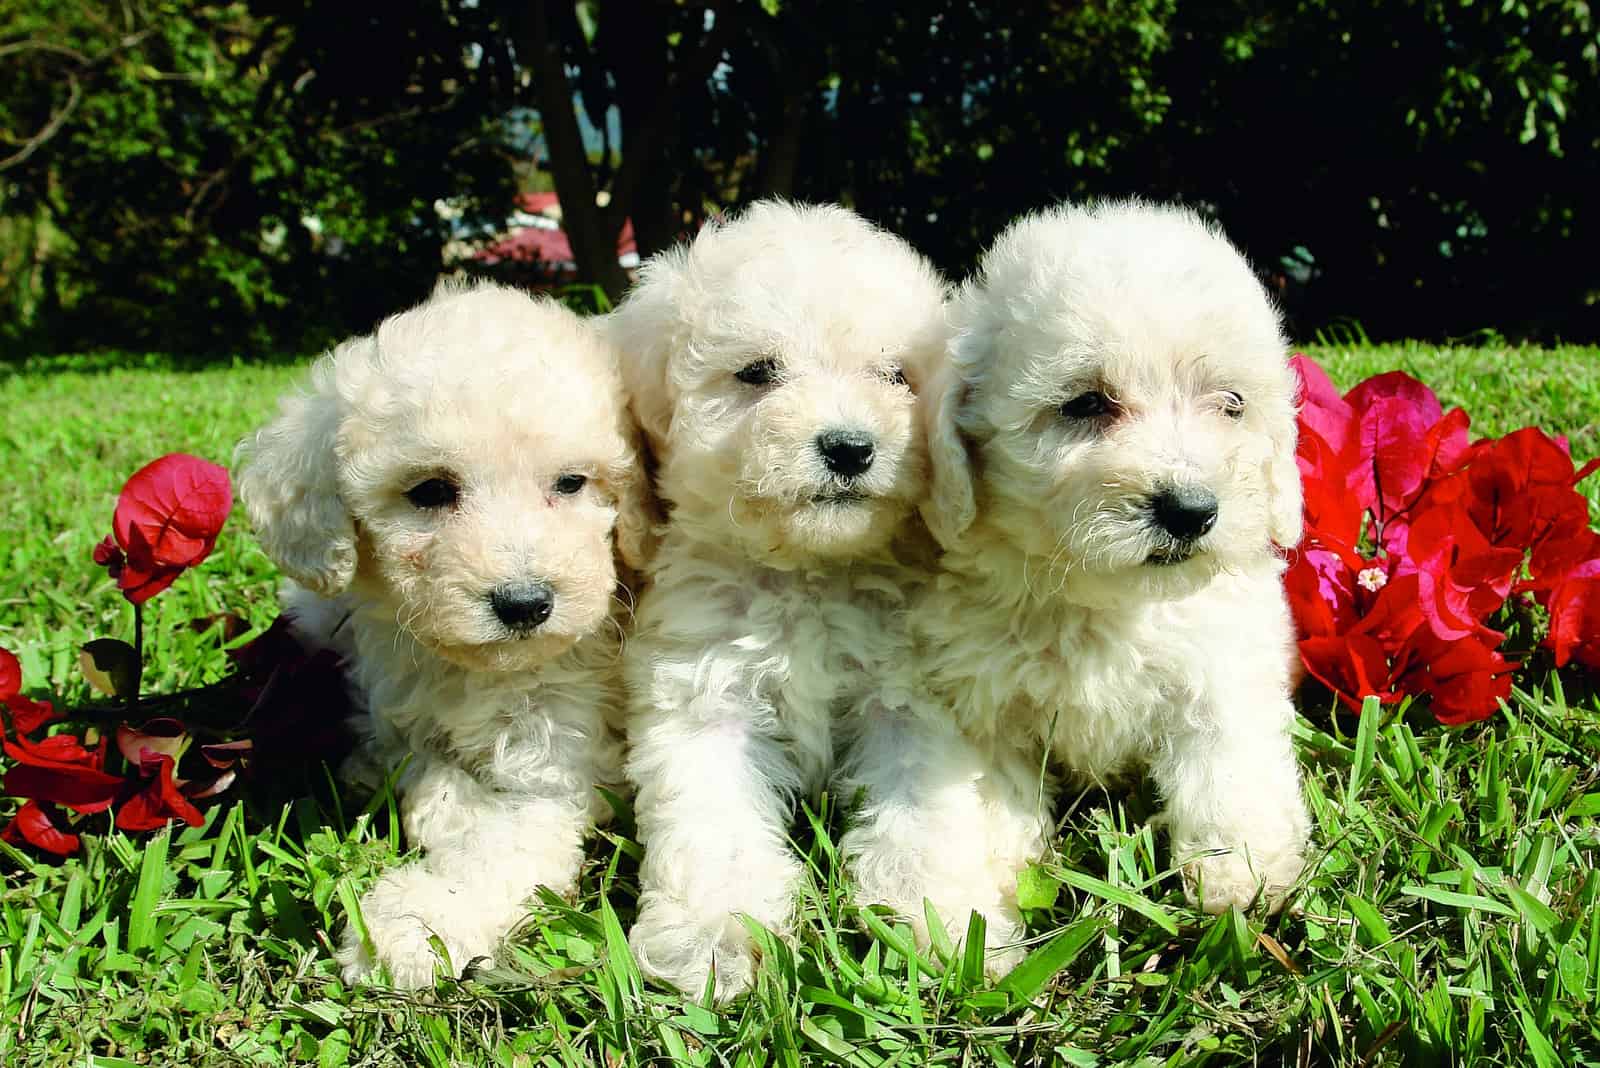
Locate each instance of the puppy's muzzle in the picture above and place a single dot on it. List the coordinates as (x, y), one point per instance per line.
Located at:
(846, 453)
(1185, 514)
(522, 606)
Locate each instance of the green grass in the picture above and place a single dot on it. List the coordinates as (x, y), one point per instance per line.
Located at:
(1452, 914)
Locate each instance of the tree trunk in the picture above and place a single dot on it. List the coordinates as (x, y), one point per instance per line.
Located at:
(591, 229)
(782, 155)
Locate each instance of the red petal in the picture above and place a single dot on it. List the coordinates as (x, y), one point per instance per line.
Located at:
(1332, 511)
(1353, 666)
(1321, 591)
(83, 789)
(177, 504)
(141, 578)
(1575, 621)
(10, 675)
(159, 801)
(1461, 579)
(1391, 432)
(57, 751)
(1400, 387)
(35, 827)
(1394, 614)
(1322, 410)
(1521, 489)
(109, 556)
(1465, 678)
(28, 715)
(1447, 444)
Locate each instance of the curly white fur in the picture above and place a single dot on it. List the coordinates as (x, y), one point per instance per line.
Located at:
(775, 616)
(508, 725)
(1067, 620)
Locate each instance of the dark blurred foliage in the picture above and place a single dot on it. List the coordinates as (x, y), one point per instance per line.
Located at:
(234, 177)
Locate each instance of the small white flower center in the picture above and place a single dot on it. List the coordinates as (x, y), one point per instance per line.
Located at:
(1372, 578)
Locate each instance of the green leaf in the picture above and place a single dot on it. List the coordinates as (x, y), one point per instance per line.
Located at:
(1544, 1054)
(1463, 901)
(1118, 896)
(334, 1051)
(1036, 889)
(110, 666)
(1366, 747)
(142, 909)
(1573, 970)
(1536, 912)
(1371, 923)
(1044, 963)
(973, 950)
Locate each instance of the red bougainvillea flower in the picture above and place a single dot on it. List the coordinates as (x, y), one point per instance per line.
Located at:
(26, 714)
(1574, 605)
(160, 799)
(32, 824)
(1465, 677)
(1327, 456)
(1416, 537)
(1462, 579)
(167, 519)
(1522, 489)
(61, 769)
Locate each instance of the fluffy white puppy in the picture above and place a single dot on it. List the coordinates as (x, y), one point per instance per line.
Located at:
(1113, 466)
(455, 484)
(774, 364)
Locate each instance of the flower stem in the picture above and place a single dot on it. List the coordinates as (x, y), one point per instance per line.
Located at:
(138, 658)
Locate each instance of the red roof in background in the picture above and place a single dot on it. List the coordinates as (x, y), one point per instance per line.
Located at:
(538, 203)
(536, 244)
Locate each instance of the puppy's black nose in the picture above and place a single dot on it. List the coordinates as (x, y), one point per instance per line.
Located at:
(846, 452)
(522, 606)
(1185, 512)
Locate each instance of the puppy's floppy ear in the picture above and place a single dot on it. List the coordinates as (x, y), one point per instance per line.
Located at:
(952, 504)
(1285, 515)
(286, 479)
(645, 329)
(637, 514)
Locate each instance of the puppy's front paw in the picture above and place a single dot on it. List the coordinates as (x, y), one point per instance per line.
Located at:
(405, 910)
(675, 945)
(1237, 877)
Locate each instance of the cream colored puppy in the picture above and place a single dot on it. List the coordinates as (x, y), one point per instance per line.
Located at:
(1113, 482)
(454, 484)
(774, 364)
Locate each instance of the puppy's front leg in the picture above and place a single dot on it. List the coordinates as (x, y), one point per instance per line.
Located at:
(1237, 818)
(487, 848)
(943, 821)
(715, 798)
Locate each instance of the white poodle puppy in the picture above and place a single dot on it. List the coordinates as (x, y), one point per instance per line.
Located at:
(1113, 480)
(774, 364)
(455, 484)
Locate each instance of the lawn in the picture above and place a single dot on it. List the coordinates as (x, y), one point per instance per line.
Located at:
(1452, 913)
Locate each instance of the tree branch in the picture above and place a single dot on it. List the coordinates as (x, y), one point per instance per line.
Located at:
(74, 86)
(51, 128)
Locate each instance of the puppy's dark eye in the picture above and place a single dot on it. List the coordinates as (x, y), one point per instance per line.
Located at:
(895, 376)
(1232, 404)
(1089, 405)
(567, 485)
(759, 373)
(434, 493)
